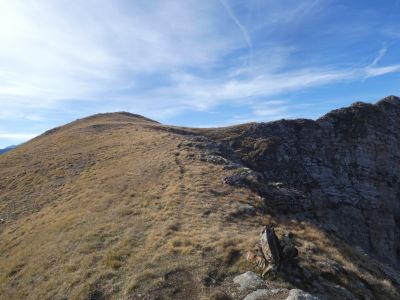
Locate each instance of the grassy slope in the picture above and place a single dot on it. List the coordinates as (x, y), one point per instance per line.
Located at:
(112, 206)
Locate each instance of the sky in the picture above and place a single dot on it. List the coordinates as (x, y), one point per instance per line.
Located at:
(193, 63)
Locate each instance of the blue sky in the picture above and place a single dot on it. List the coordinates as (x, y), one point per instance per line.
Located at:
(193, 63)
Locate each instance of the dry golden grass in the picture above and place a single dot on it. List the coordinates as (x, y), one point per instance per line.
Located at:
(111, 206)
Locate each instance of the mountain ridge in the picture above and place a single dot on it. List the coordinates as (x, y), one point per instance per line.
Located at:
(120, 206)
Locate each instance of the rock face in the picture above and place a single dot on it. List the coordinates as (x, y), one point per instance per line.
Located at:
(342, 170)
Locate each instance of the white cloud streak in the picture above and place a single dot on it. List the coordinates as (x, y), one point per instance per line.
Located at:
(379, 56)
(204, 94)
(242, 29)
(378, 71)
(373, 71)
(17, 136)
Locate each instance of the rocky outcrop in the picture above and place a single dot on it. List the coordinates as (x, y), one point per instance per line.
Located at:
(342, 170)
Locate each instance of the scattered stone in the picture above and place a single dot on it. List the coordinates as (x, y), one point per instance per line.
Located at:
(296, 294)
(248, 280)
(243, 210)
(247, 208)
(244, 177)
(262, 294)
(214, 159)
(231, 166)
(207, 213)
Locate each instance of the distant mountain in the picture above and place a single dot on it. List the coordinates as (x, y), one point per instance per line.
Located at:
(6, 149)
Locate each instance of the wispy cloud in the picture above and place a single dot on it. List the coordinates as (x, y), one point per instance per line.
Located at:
(17, 136)
(372, 70)
(378, 71)
(270, 108)
(204, 94)
(60, 50)
(242, 29)
(63, 59)
(379, 56)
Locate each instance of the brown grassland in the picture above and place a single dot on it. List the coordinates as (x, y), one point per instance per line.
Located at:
(113, 206)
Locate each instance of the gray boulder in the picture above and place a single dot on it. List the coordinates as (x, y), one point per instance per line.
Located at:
(296, 294)
(248, 280)
(262, 294)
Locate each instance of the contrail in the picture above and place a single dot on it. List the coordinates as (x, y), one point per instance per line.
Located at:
(371, 69)
(239, 25)
(380, 55)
